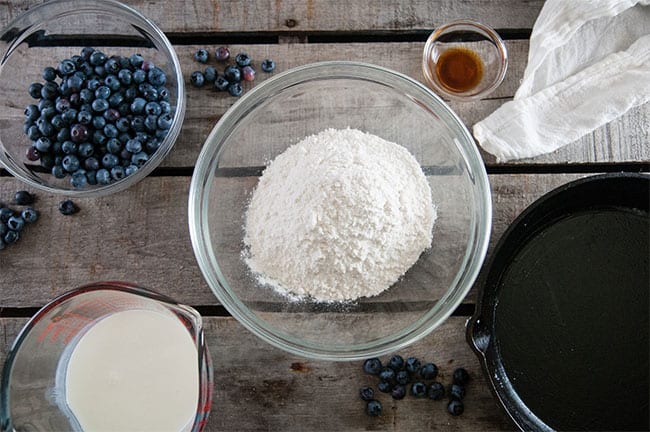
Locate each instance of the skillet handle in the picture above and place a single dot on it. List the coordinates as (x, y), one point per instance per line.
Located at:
(478, 335)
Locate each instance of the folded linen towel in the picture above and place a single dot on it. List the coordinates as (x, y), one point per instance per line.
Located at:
(589, 62)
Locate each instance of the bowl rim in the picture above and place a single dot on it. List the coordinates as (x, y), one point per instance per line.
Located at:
(475, 27)
(108, 7)
(198, 226)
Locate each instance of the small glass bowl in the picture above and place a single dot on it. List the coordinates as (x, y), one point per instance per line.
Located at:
(476, 40)
(50, 32)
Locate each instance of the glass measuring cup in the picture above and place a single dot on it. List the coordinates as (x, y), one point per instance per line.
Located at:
(31, 397)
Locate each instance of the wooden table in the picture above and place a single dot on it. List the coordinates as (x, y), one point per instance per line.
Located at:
(143, 235)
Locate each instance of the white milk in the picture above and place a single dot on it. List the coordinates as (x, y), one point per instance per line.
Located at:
(135, 370)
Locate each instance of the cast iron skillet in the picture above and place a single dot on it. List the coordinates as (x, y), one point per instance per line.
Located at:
(561, 326)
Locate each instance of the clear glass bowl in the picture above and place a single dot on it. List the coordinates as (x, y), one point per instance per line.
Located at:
(303, 101)
(49, 32)
(480, 44)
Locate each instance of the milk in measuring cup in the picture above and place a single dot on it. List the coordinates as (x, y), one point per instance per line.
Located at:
(135, 370)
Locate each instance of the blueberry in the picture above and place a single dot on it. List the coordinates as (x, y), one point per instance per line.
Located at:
(137, 106)
(79, 133)
(22, 197)
(115, 100)
(139, 76)
(396, 363)
(165, 121)
(197, 79)
(456, 391)
(429, 371)
(147, 65)
(66, 67)
(74, 83)
(403, 377)
(150, 93)
(373, 408)
(32, 154)
(35, 90)
(242, 59)
(210, 74)
(91, 177)
(137, 123)
(91, 163)
(122, 124)
(57, 122)
(398, 392)
(99, 122)
(109, 160)
(112, 66)
(151, 123)
(46, 128)
(412, 365)
(45, 103)
(117, 173)
(461, 377)
(152, 145)
(84, 117)
(58, 171)
(62, 135)
(367, 393)
(436, 391)
(113, 146)
(139, 159)
(32, 112)
(385, 386)
(100, 71)
(49, 73)
(85, 68)
(33, 133)
(97, 58)
(111, 115)
(232, 73)
(372, 366)
(221, 83)
(85, 150)
(102, 92)
(125, 76)
(70, 163)
(5, 214)
(387, 374)
(103, 176)
(163, 93)
(68, 207)
(47, 161)
(48, 112)
(157, 76)
(93, 84)
(69, 147)
(43, 144)
(78, 179)
(11, 237)
(222, 54)
(62, 105)
(111, 131)
(268, 65)
(136, 60)
(201, 55)
(86, 52)
(133, 146)
(50, 90)
(418, 389)
(112, 82)
(131, 169)
(248, 73)
(69, 116)
(15, 223)
(455, 407)
(235, 89)
(99, 138)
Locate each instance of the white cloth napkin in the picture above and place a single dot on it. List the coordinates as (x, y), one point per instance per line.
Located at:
(589, 62)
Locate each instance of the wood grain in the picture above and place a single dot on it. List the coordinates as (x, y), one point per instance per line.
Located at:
(142, 236)
(259, 387)
(290, 16)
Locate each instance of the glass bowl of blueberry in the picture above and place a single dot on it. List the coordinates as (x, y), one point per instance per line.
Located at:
(340, 224)
(94, 97)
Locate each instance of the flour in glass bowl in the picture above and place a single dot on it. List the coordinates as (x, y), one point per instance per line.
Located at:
(340, 215)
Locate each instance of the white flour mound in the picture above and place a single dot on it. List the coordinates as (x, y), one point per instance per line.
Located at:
(342, 214)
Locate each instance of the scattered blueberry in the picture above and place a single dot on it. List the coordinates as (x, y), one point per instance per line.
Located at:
(367, 393)
(242, 59)
(403, 377)
(461, 376)
(455, 407)
(5, 214)
(387, 374)
(248, 73)
(268, 65)
(210, 74)
(68, 207)
(385, 386)
(372, 366)
(221, 83)
(398, 392)
(222, 54)
(201, 55)
(235, 89)
(197, 79)
(412, 365)
(418, 389)
(23, 197)
(429, 371)
(456, 391)
(15, 223)
(436, 391)
(232, 73)
(396, 363)
(373, 408)
(11, 237)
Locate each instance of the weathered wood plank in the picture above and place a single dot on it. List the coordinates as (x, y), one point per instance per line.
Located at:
(141, 235)
(205, 16)
(258, 387)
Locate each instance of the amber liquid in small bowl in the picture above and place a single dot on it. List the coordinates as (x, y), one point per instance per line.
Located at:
(459, 69)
